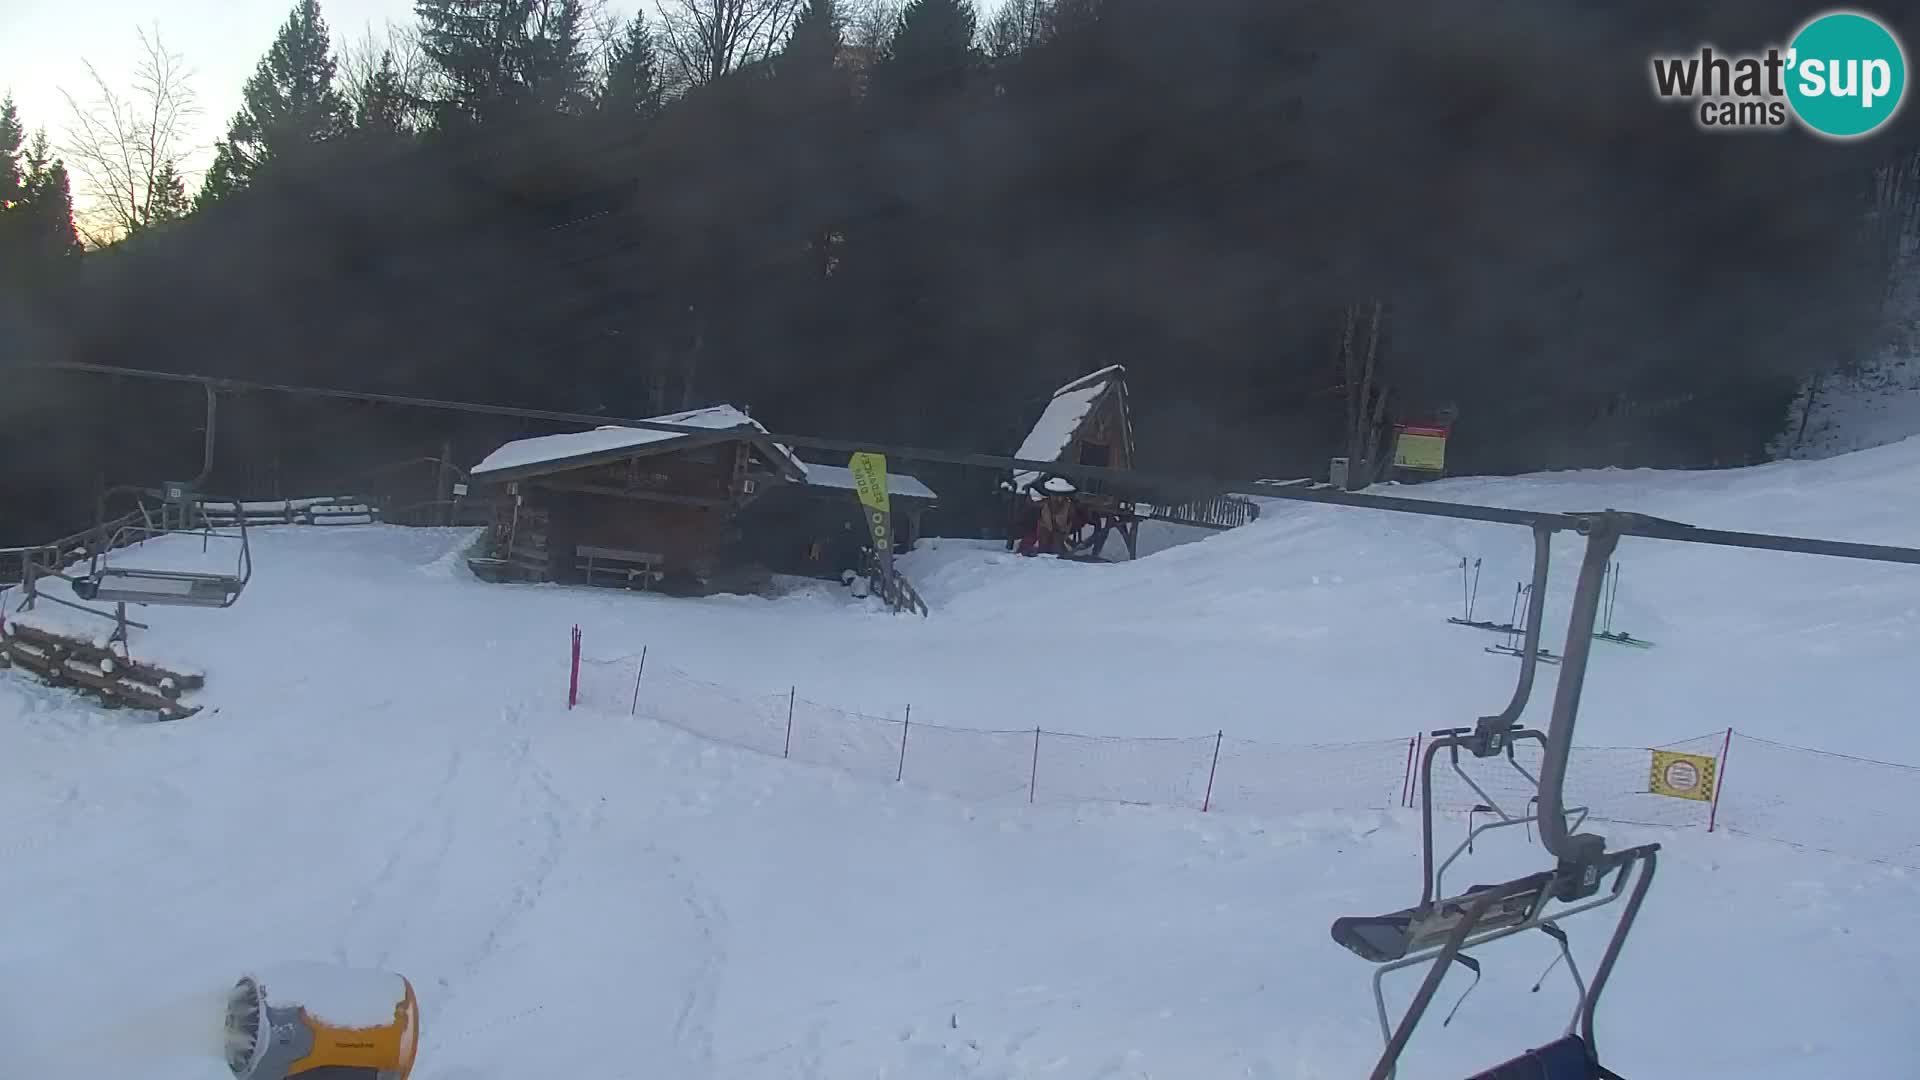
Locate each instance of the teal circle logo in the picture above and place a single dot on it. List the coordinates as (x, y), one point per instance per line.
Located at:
(1847, 74)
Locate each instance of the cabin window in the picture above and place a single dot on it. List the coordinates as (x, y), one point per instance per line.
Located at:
(1096, 454)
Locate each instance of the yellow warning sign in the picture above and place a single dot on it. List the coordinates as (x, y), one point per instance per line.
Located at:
(1423, 448)
(1682, 776)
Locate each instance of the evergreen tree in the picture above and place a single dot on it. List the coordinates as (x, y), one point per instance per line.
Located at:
(496, 57)
(931, 51)
(633, 74)
(48, 206)
(36, 204)
(558, 73)
(170, 201)
(383, 108)
(12, 135)
(290, 101)
(816, 40)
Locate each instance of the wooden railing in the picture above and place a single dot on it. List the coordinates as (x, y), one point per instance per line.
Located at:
(58, 553)
(1219, 512)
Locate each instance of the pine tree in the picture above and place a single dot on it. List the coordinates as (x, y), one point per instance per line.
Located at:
(170, 201)
(931, 51)
(11, 137)
(290, 101)
(48, 205)
(558, 73)
(36, 203)
(816, 40)
(498, 56)
(383, 108)
(633, 74)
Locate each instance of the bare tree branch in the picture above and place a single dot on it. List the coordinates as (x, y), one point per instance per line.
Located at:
(701, 40)
(123, 144)
(360, 60)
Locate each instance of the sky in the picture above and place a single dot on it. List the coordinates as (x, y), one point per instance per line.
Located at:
(45, 44)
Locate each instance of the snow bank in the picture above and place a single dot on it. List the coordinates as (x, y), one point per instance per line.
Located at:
(551, 448)
(388, 778)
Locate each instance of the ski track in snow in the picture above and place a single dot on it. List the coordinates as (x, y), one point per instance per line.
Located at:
(584, 895)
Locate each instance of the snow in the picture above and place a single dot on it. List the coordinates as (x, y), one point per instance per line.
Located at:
(386, 777)
(338, 996)
(900, 484)
(1054, 430)
(545, 449)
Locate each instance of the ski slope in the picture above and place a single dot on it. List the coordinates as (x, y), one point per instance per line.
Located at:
(386, 775)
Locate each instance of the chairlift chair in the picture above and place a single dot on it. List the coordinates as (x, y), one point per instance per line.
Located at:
(1439, 929)
(107, 581)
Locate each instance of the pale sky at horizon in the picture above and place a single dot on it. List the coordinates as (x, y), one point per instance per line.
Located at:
(44, 43)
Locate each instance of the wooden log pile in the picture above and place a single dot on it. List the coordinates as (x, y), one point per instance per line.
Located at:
(94, 667)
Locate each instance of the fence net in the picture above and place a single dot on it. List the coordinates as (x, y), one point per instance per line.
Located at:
(1767, 789)
(1608, 783)
(1822, 801)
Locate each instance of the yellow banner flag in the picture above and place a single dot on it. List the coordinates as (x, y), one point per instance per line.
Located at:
(1682, 776)
(870, 480)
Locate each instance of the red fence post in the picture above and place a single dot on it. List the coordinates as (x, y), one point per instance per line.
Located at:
(634, 709)
(1414, 756)
(573, 675)
(907, 724)
(1033, 774)
(787, 749)
(1207, 801)
(1719, 779)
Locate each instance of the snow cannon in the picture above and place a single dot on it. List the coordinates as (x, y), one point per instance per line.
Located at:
(322, 1023)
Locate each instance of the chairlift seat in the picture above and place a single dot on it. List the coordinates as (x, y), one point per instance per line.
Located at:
(1383, 939)
(177, 588)
(1563, 1059)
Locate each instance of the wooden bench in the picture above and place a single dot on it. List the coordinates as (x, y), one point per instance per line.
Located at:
(620, 562)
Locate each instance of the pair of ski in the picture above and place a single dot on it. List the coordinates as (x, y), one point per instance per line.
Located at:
(1470, 589)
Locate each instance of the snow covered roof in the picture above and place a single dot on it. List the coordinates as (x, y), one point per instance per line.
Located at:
(900, 484)
(1054, 431)
(546, 453)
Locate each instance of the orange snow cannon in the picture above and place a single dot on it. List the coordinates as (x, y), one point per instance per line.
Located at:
(322, 1023)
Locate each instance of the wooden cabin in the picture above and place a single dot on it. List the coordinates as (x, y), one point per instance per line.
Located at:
(1086, 422)
(635, 506)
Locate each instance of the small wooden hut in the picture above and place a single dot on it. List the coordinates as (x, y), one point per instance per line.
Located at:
(1086, 422)
(635, 506)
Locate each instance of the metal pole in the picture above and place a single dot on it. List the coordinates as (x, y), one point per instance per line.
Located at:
(1530, 645)
(634, 709)
(1033, 776)
(904, 728)
(1603, 536)
(787, 748)
(1719, 779)
(1205, 803)
(206, 460)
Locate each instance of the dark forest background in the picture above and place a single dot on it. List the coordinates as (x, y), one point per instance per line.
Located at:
(909, 223)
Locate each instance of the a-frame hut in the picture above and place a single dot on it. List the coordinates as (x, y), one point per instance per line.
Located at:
(1086, 422)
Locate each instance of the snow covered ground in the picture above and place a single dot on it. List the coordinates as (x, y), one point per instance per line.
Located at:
(386, 775)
